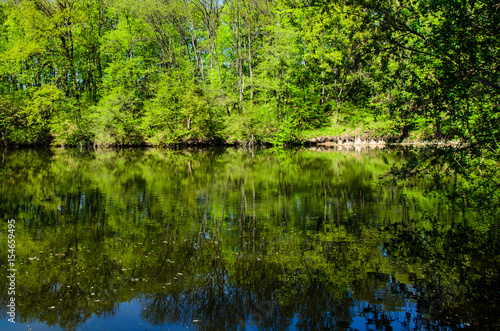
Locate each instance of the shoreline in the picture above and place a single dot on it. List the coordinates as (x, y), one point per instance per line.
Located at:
(346, 141)
(316, 142)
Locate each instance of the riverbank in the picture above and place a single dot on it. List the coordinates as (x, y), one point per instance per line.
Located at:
(333, 141)
(360, 141)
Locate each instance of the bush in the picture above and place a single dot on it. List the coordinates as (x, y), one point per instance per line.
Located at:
(180, 111)
(116, 119)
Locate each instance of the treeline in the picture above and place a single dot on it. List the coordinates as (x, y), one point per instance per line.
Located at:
(122, 72)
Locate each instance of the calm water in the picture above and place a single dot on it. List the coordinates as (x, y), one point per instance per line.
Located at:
(230, 239)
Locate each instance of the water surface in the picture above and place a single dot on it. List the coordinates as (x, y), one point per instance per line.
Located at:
(148, 239)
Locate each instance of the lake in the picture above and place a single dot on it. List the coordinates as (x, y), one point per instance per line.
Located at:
(234, 239)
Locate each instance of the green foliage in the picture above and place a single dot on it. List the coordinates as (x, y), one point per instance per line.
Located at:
(179, 111)
(116, 119)
(43, 105)
(72, 127)
(14, 125)
(237, 71)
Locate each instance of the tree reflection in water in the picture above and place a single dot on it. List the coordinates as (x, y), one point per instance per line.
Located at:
(225, 240)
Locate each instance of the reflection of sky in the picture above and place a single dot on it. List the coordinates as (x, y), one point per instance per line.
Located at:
(366, 316)
(127, 318)
(370, 317)
(8, 326)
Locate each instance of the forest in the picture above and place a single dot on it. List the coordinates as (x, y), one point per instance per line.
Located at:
(163, 72)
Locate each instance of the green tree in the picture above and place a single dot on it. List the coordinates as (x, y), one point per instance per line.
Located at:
(179, 112)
